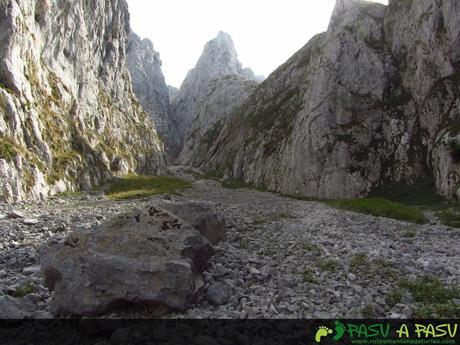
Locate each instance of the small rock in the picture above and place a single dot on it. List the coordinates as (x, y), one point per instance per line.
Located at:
(407, 312)
(30, 270)
(357, 288)
(218, 293)
(15, 215)
(254, 271)
(2, 274)
(456, 301)
(30, 221)
(322, 315)
(351, 276)
(272, 309)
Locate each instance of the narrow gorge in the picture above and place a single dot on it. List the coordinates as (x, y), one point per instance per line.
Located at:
(327, 190)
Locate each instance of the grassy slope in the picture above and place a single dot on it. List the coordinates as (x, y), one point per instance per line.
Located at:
(134, 186)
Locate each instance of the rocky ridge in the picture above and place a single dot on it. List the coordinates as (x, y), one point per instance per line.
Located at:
(375, 99)
(149, 85)
(69, 117)
(219, 59)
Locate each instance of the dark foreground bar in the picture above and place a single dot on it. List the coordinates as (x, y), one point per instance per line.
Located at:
(234, 332)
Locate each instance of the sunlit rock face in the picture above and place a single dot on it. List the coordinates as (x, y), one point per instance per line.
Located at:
(219, 59)
(69, 117)
(149, 85)
(375, 99)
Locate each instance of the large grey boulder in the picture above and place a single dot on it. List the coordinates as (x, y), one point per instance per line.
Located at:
(147, 257)
(201, 215)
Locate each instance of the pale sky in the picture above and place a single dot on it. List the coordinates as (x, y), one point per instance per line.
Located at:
(266, 32)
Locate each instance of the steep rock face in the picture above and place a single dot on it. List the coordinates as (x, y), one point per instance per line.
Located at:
(219, 59)
(370, 101)
(173, 92)
(69, 117)
(222, 96)
(424, 38)
(149, 85)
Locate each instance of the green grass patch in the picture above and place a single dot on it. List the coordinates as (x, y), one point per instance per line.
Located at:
(395, 296)
(8, 149)
(429, 289)
(25, 290)
(368, 312)
(328, 265)
(244, 243)
(70, 194)
(260, 221)
(436, 310)
(380, 207)
(423, 194)
(434, 299)
(450, 217)
(300, 197)
(235, 183)
(312, 248)
(359, 263)
(136, 186)
(283, 215)
(410, 233)
(211, 175)
(308, 276)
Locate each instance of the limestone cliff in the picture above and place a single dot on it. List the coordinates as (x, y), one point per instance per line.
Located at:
(69, 118)
(173, 91)
(222, 96)
(219, 58)
(144, 65)
(374, 99)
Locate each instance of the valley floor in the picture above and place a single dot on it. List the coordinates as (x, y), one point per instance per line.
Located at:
(283, 258)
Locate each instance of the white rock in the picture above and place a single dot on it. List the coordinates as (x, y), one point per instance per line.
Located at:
(30, 221)
(15, 215)
(351, 276)
(30, 270)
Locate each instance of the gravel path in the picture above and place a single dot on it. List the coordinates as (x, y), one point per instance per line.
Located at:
(283, 258)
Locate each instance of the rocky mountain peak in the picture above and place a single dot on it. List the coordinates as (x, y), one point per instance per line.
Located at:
(348, 12)
(223, 40)
(219, 58)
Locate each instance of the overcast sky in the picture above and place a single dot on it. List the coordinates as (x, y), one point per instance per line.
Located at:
(266, 32)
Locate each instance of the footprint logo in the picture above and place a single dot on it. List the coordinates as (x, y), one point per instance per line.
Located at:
(323, 331)
(339, 331)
